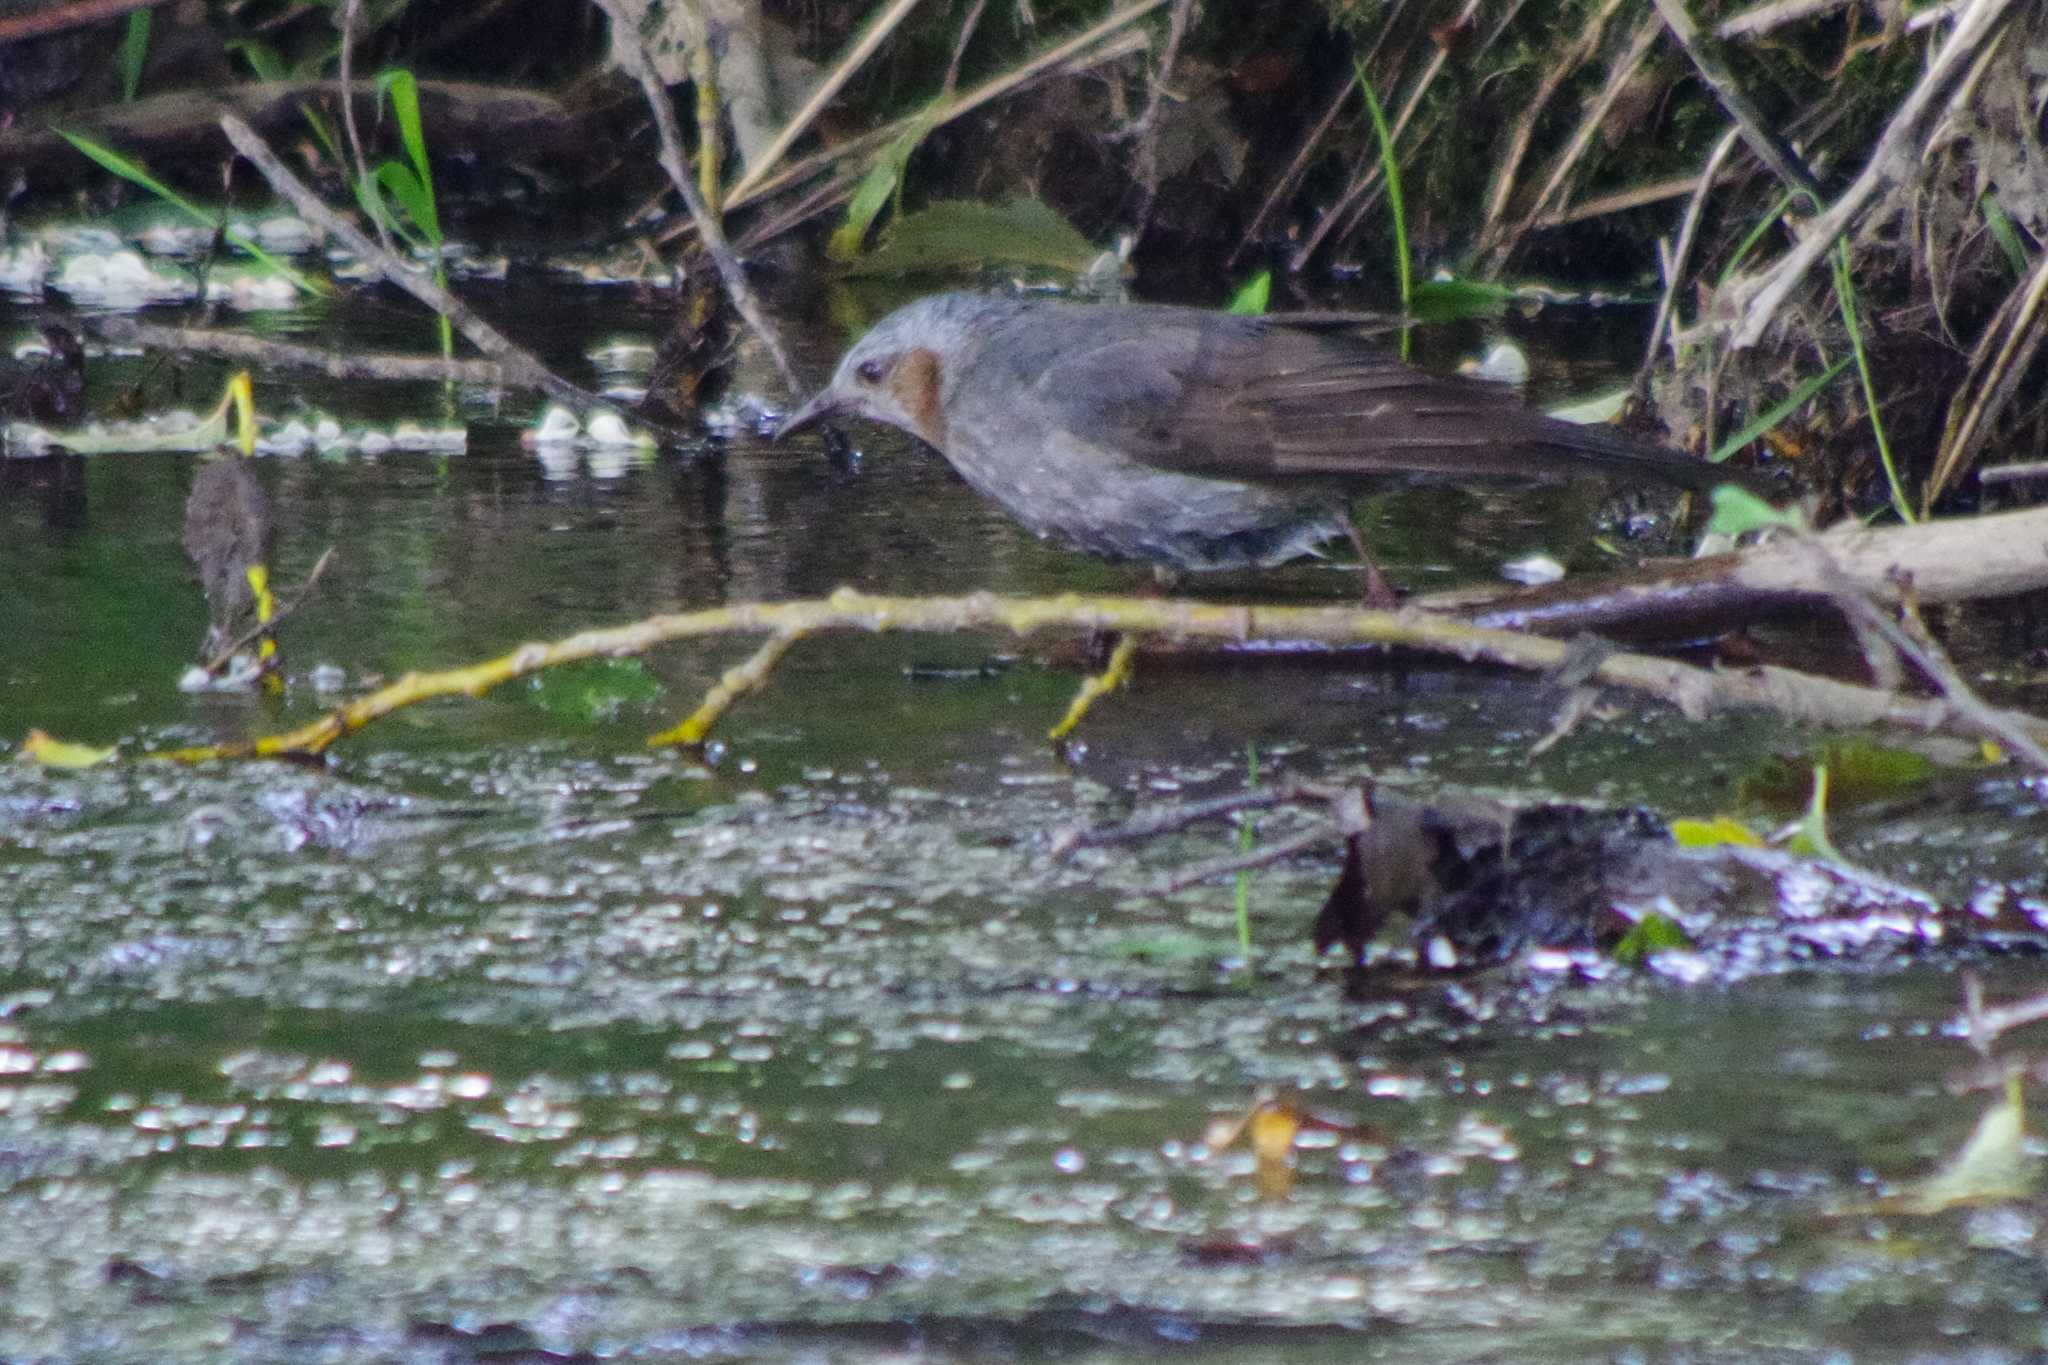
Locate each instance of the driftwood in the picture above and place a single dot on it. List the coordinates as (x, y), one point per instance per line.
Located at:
(1955, 560)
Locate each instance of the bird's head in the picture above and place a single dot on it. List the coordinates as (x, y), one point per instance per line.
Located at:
(896, 374)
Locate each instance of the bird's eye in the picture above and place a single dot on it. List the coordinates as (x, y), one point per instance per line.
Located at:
(871, 371)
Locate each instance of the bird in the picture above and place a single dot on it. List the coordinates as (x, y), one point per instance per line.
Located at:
(1190, 439)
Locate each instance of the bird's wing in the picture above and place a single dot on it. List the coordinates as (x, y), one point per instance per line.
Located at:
(1235, 398)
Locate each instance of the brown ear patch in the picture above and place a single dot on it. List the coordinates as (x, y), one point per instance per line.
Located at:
(915, 384)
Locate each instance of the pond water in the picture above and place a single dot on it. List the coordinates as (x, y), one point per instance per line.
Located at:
(506, 1038)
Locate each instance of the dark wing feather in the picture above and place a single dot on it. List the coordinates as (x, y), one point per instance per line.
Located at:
(1243, 398)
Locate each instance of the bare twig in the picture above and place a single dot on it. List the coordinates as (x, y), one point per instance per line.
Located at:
(346, 21)
(1154, 821)
(967, 28)
(1674, 268)
(1057, 57)
(60, 18)
(626, 45)
(1910, 638)
(269, 352)
(1561, 69)
(2001, 359)
(1146, 129)
(517, 365)
(1277, 852)
(226, 654)
(864, 47)
(739, 680)
(1984, 1026)
(1769, 148)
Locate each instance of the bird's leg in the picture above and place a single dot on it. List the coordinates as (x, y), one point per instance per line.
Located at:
(1379, 594)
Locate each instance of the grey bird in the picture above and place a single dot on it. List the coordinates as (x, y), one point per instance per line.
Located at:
(1190, 439)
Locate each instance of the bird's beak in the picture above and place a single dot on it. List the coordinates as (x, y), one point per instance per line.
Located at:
(823, 404)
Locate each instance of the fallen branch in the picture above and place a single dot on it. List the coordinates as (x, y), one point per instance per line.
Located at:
(273, 354)
(1957, 559)
(1697, 692)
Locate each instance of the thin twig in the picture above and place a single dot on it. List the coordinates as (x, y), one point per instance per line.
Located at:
(843, 71)
(1770, 149)
(742, 678)
(350, 13)
(518, 366)
(1146, 129)
(271, 353)
(1056, 57)
(1674, 268)
(632, 54)
(1157, 820)
(1931, 659)
(1287, 848)
(226, 654)
(1984, 1026)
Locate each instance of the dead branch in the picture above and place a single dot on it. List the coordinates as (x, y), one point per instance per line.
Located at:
(1956, 559)
(273, 354)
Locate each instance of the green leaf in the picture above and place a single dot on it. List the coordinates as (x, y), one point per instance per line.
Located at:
(961, 235)
(1737, 511)
(1252, 296)
(414, 200)
(133, 171)
(134, 53)
(1653, 933)
(264, 60)
(596, 690)
(1757, 426)
(404, 92)
(882, 183)
(1457, 300)
(2003, 232)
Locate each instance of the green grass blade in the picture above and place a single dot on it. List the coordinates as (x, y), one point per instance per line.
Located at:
(1780, 410)
(1390, 168)
(404, 92)
(132, 171)
(134, 53)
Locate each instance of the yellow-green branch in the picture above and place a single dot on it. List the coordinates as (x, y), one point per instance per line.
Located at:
(1695, 691)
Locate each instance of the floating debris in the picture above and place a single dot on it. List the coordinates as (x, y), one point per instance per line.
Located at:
(24, 269)
(121, 279)
(1503, 363)
(1532, 570)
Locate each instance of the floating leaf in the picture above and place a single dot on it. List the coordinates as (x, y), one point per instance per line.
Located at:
(41, 747)
(1992, 1167)
(1455, 300)
(1859, 771)
(960, 236)
(594, 691)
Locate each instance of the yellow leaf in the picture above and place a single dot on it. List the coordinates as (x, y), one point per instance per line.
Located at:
(41, 747)
(1715, 833)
